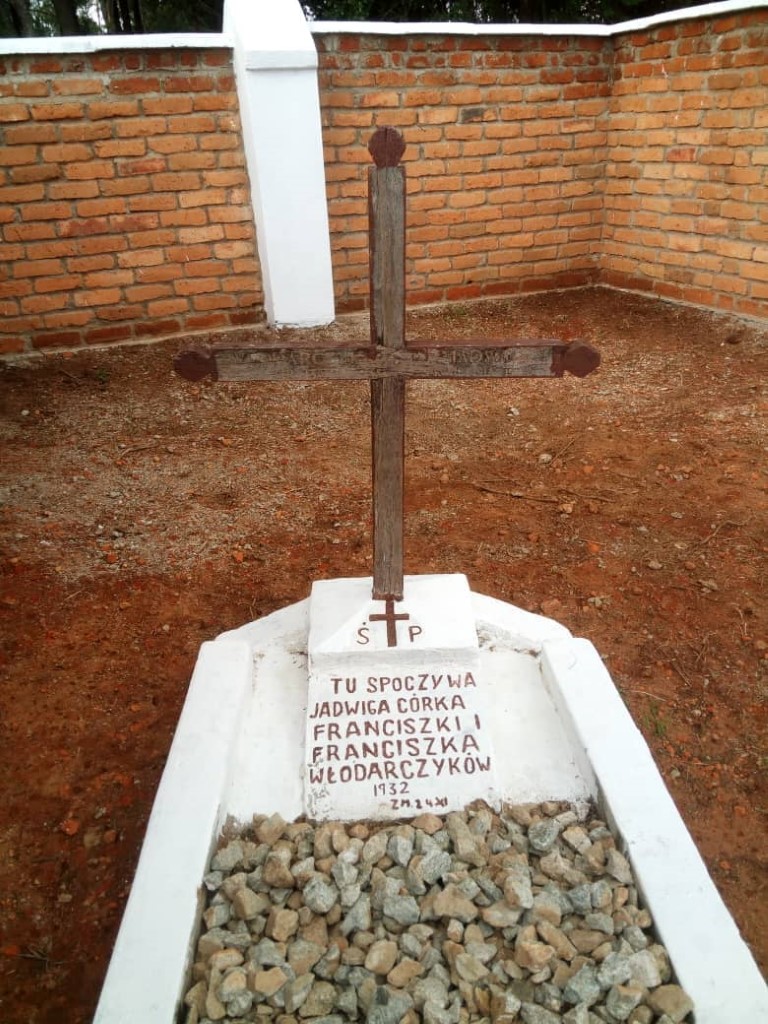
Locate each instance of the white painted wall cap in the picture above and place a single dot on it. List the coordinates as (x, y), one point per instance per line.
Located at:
(549, 29)
(97, 43)
(281, 60)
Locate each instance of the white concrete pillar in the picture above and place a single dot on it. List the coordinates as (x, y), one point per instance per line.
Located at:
(276, 72)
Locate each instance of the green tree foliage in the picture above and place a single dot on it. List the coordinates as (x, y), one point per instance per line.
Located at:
(182, 15)
(488, 11)
(46, 18)
(83, 17)
(75, 17)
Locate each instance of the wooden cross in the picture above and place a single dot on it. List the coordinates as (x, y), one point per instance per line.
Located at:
(387, 362)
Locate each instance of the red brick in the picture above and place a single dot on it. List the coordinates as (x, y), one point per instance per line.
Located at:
(44, 303)
(142, 127)
(102, 335)
(32, 90)
(148, 165)
(134, 85)
(217, 58)
(77, 86)
(89, 170)
(192, 123)
(142, 258)
(150, 239)
(144, 203)
(111, 148)
(147, 292)
(35, 172)
(18, 194)
(87, 246)
(202, 303)
(84, 264)
(11, 345)
(194, 217)
(28, 232)
(10, 112)
(190, 83)
(161, 328)
(153, 274)
(56, 339)
(191, 161)
(12, 289)
(13, 156)
(113, 108)
(65, 152)
(80, 131)
(73, 190)
(124, 186)
(56, 111)
(33, 133)
(46, 211)
(62, 283)
(167, 105)
(199, 286)
(167, 307)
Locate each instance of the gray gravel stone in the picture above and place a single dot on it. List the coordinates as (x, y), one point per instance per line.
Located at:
(622, 1000)
(466, 846)
(381, 957)
(228, 856)
(644, 969)
(672, 1001)
(517, 886)
(529, 917)
(320, 895)
(533, 1014)
(614, 970)
(452, 903)
(583, 987)
(389, 1006)
(359, 916)
(543, 835)
(635, 936)
(403, 909)
(618, 867)
(400, 845)
(435, 864)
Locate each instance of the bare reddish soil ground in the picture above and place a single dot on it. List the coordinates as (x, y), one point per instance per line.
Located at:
(142, 515)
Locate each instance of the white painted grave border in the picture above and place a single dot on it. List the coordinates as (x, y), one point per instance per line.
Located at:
(249, 674)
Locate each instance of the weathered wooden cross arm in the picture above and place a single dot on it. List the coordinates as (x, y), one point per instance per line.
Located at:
(525, 358)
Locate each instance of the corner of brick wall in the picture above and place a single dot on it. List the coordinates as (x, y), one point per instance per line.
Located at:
(686, 191)
(124, 202)
(638, 161)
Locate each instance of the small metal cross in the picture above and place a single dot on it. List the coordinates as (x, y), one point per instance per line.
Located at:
(391, 618)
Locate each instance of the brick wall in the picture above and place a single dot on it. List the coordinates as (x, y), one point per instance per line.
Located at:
(124, 203)
(505, 154)
(686, 178)
(638, 160)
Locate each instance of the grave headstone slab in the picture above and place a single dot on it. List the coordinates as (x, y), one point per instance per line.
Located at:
(396, 716)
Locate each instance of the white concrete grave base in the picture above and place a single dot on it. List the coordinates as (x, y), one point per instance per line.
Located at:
(396, 716)
(559, 730)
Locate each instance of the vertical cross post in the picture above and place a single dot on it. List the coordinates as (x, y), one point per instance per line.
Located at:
(386, 216)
